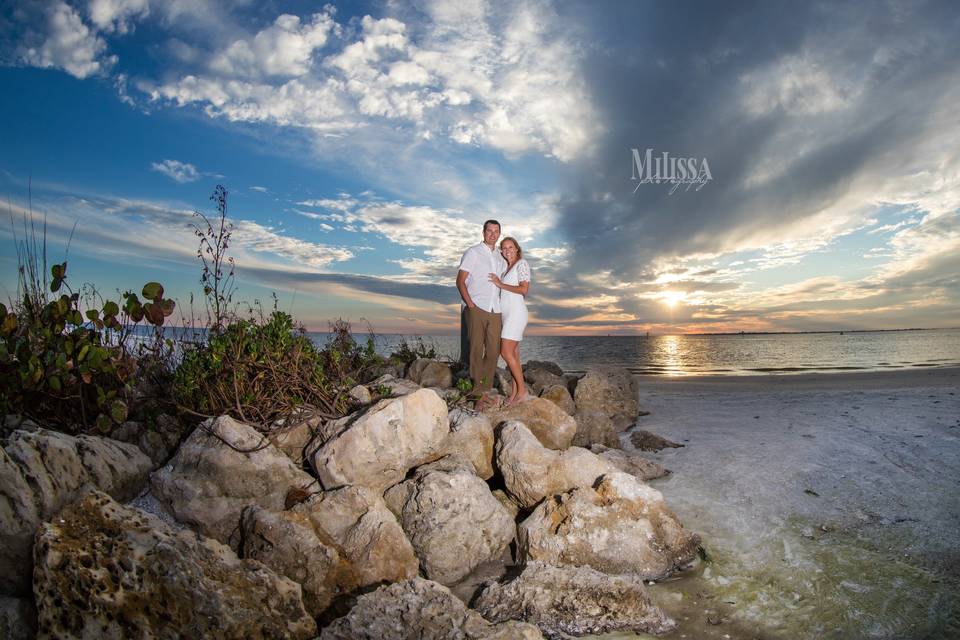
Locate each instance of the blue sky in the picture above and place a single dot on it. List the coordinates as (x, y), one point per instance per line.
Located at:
(363, 145)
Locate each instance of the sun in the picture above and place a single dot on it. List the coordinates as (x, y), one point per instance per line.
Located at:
(671, 298)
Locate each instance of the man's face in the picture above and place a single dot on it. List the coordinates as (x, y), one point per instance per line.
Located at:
(490, 234)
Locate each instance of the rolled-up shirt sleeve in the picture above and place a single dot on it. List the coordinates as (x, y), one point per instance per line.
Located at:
(468, 262)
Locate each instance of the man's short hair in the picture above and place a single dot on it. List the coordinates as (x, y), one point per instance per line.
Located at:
(490, 222)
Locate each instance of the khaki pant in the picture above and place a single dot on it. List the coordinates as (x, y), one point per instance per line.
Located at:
(483, 331)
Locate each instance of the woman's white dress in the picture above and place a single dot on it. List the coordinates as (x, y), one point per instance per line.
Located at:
(512, 305)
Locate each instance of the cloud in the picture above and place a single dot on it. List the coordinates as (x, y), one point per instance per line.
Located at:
(259, 189)
(116, 15)
(67, 43)
(177, 171)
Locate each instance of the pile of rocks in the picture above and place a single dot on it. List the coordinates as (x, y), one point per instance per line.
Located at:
(376, 525)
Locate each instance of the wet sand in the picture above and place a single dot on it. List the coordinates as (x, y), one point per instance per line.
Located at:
(829, 504)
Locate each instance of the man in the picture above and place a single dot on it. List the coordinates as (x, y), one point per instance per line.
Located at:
(482, 300)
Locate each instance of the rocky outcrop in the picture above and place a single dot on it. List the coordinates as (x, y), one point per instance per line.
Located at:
(41, 472)
(423, 609)
(610, 390)
(573, 601)
(453, 521)
(333, 543)
(558, 395)
(209, 482)
(540, 379)
(549, 423)
(377, 447)
(532, 472)
(622, 526)
(595, 427)
(646, 441)
(105, 570)
(636, 465)
(361, 395)
(471, 436)
(430, 373)
(293, 438)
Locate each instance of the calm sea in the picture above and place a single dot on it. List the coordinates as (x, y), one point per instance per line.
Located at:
(749, 354)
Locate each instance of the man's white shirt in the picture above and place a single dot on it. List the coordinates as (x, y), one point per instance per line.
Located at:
(479, 261)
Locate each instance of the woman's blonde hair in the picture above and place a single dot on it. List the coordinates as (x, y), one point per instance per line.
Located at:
(515, 243)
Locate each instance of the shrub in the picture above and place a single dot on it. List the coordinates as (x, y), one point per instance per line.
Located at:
(406, 352)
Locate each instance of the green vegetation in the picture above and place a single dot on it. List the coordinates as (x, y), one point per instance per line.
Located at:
(79, 363)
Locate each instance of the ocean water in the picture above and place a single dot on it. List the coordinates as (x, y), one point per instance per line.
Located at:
(747, 354)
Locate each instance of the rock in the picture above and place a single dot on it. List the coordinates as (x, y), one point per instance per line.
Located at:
(378, 447)
(646, 441)
(507, 502)
(430, 373)
(471, 435)
(421, 609)
(293, 441)
(333, 543)
(558, 395)
(532, 472)
(394, 385)
(361, 395)
(208, 483)
(540, 379)
(637, 466)
(503, 381)
(105, 570)
(14, 422)
(549, 423)
(573, 601)
(595, 427)
(18, 619)
(551, 367)
(622, 526)
(41, 472)
(610, 390)
(157, 441)
(453, 521)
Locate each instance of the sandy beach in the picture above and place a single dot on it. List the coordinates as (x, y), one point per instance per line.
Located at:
(828, 503)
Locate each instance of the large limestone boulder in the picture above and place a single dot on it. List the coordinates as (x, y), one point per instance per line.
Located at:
(420, 609)
(532, 472)
(430, 373)
(622, 526)
(105, 570)
(573, 601)
(595, 427)
(452, 519)
(632, 463)
(222, 468)
(549, 423)
(560, 396)
(331, 544)
(378, 446)
(471, 436)
(41, 472)
(612, 391)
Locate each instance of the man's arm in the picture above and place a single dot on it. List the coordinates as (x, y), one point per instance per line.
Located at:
(462, 288)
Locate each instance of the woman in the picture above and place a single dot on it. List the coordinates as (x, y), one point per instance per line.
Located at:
(514, 283)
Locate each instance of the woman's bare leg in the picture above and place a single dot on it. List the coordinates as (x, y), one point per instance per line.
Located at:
(508, 352)
(522, 388)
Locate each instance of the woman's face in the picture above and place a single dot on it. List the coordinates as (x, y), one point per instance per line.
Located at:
(509, 250)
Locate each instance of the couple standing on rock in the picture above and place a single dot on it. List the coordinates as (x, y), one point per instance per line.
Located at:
(493, 284)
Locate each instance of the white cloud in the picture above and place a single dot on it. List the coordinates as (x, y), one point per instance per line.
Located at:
(116, 15)
(69, 45)
(175, 170)
(285, 48)
(799, 85)
(259, 189)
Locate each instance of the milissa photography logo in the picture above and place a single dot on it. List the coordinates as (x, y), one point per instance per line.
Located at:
(673, 170)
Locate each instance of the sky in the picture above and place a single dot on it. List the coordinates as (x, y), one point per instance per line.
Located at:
(363, 145)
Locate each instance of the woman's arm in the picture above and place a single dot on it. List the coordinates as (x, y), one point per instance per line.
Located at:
(522, 288)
